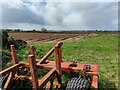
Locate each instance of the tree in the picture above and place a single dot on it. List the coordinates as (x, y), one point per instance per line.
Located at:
(17, 30)
(43, 29)
(33, 30)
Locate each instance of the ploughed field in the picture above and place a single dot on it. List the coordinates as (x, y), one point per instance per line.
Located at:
(44, 37)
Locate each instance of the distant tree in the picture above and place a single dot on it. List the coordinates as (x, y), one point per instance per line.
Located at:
(96, 30)
(9, 30)
(33, 30)
(43, 29)
(17, 30)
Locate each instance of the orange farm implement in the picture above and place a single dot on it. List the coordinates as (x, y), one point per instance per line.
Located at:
(88, 79)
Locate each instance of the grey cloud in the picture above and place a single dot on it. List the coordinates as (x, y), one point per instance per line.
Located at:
(101, 17)
(20, 15)
(53, 15)
(92, 15)
(85, 15)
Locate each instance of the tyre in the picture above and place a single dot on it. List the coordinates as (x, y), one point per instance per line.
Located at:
(78, 84)
(3, 79)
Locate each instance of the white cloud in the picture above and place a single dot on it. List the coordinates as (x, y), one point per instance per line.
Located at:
(52, 14)
(82, 0)
(77, 14)
(73, 19)
(82, 15)
(35, 8)
(12, 3)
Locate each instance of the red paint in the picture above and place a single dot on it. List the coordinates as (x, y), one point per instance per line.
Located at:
(96, 69)
(95, 80)
(64, 69)
(67, 69)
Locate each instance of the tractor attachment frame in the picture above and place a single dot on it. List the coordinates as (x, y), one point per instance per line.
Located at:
(55, 68)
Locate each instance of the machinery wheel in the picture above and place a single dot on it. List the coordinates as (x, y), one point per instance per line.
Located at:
(78, 84)
(3, 79)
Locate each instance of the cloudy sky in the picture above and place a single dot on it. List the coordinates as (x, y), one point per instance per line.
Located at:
(59, 15)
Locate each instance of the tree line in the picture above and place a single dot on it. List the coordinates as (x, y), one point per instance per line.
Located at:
(44, 30)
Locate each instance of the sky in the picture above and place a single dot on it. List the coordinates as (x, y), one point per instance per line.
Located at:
(59, 15)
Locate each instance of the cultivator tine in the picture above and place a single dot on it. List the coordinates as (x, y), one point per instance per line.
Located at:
(32, 50)
(58, 64)
(14, 55)
(33, 70)
(60, 54)
(59, 43)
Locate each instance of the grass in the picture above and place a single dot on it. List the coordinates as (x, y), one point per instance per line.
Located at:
(101, 49)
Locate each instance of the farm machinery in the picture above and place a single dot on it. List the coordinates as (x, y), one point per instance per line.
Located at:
(14, 75)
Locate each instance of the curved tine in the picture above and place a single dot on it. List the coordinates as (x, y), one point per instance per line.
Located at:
(59, 43)
(32, 50)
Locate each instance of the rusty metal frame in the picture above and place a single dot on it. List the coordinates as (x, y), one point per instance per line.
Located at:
(65, 66)
(43, 81)
(56, 67)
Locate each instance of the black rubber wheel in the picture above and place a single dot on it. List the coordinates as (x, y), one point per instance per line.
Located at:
(78, 84)
(3, 79)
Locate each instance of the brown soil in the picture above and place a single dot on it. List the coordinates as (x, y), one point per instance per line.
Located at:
(47, 37)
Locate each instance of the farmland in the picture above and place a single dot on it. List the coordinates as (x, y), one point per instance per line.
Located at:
(45, 37)
(101, 49)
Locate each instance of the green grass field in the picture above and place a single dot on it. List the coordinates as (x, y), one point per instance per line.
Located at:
(101, 49)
